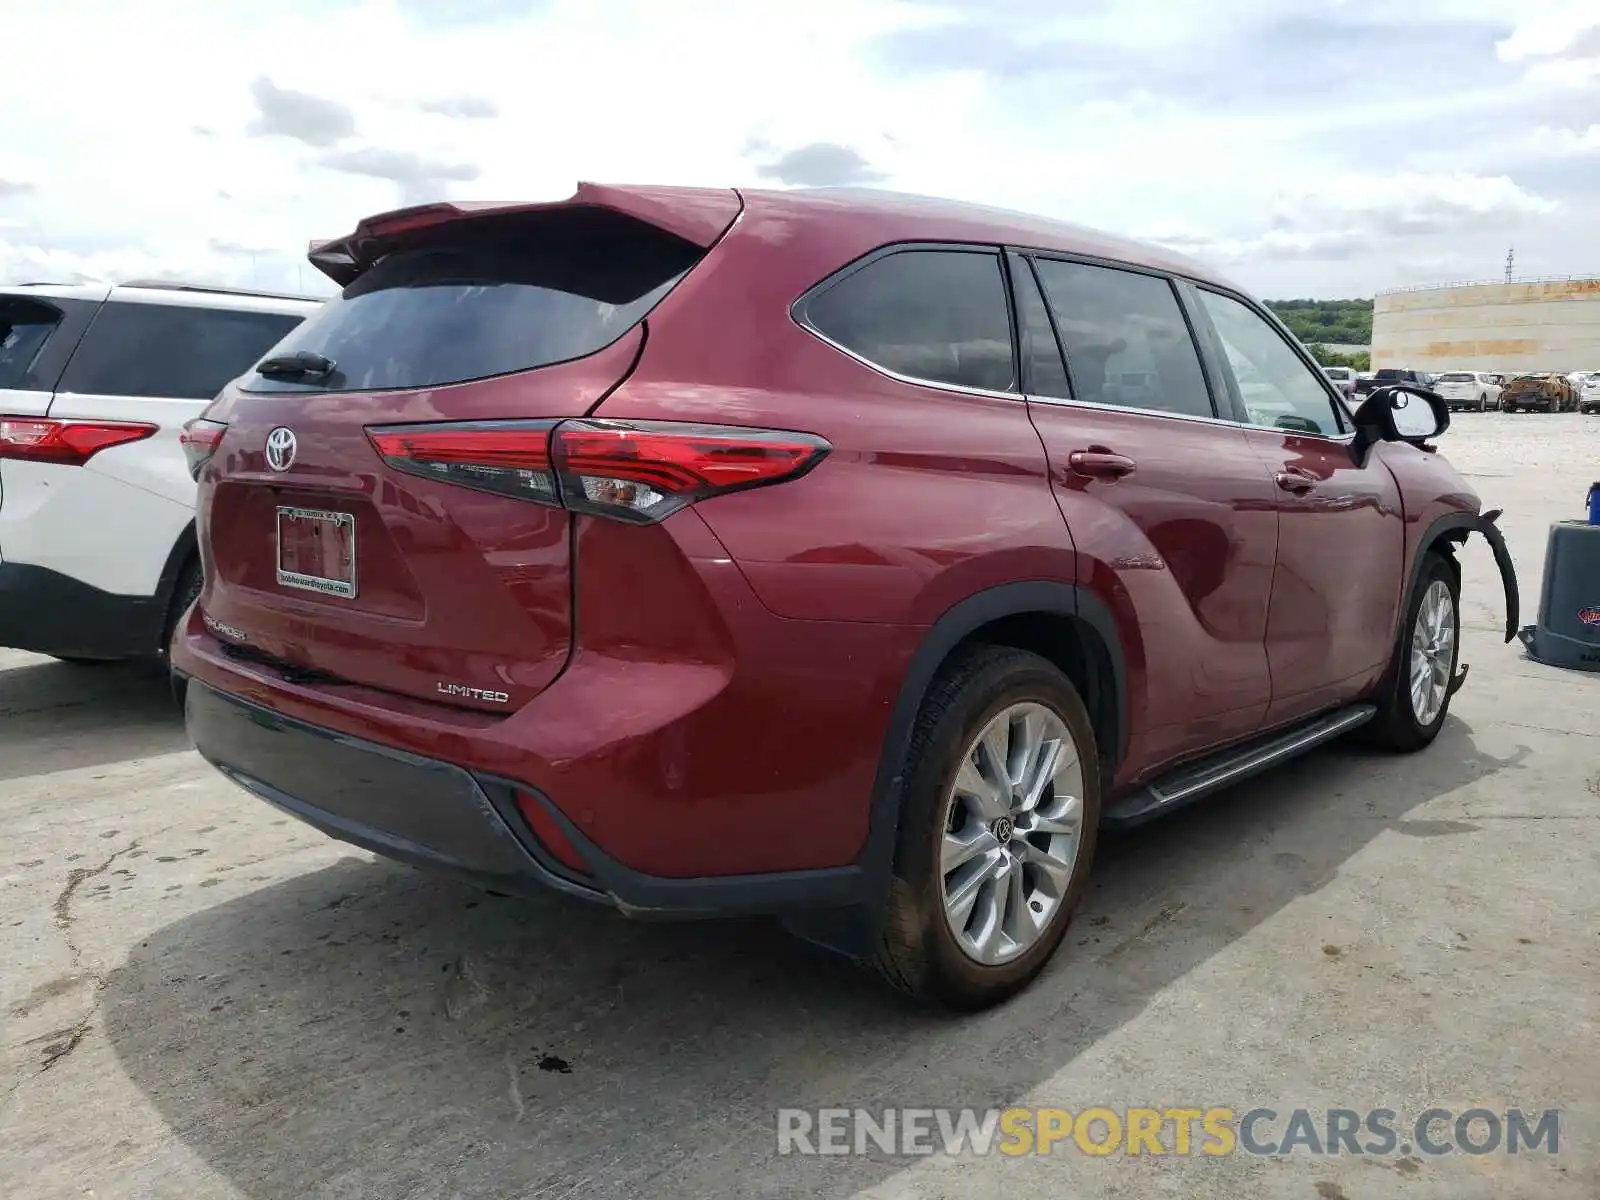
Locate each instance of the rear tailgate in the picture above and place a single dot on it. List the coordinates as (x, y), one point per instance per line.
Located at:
(447, 581)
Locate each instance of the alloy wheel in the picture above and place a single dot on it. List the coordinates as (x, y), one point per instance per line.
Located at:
(1012, 832)
(1433, 643)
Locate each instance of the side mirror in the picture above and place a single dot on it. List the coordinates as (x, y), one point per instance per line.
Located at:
(1400, 413)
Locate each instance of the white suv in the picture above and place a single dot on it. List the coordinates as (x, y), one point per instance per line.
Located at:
(1469, 391)
(97, 543)
(1589, 394)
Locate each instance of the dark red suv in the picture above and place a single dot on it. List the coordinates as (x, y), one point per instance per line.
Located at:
(844, 556)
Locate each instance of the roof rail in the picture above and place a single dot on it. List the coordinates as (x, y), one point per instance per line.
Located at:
(171, 285)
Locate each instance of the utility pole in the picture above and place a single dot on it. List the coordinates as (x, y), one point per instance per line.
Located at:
(1511, 259)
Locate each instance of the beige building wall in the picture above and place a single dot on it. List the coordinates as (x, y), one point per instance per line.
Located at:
(1507, 327)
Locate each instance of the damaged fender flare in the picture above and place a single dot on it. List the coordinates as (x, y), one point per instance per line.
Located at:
(1456, 527)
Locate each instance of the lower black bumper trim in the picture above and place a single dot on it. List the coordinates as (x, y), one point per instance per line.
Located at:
(440, 816)
(46, 612)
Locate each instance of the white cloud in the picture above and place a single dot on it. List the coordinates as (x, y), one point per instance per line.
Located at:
(1564, 142)
(1552, 28)
(283, 123)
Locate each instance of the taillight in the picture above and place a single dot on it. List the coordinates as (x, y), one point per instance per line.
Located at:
(509, 458)
(639, 471)
(67, 443)
(645, 471)
(199, 440)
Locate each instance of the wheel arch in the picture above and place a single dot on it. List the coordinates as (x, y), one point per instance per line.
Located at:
(185, 549)
(1064, 623)
(1443, 536)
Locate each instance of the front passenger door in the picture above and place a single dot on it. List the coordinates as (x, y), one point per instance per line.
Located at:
(1341, 528)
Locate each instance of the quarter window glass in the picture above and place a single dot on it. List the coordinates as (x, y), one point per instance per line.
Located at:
(172, 351)
(1278, 390)
(25, 326)
(938, 315)
(1125, 337)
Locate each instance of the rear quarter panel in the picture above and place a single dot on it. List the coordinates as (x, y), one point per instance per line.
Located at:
(927, 496)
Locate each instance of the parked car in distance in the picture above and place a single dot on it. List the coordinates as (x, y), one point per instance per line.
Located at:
(842, 594)
(1468, 391)
(1392, 377)
(1342, 378)
(97, 546)
(1589, 395)
(1539, 392)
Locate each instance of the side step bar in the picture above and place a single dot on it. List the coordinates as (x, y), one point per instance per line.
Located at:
(1203, 776)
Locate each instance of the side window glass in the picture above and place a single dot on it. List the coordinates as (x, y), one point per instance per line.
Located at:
(1043, 371)
(935, 315)
(1126, 340)
(1278, 390)
(171, 351)
(25, 326)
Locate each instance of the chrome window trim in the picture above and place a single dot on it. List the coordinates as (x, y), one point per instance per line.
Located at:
(936, 384)
(1061, 402)
(1101, 406)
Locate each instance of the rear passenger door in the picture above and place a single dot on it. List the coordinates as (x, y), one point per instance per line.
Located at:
(1171, 512)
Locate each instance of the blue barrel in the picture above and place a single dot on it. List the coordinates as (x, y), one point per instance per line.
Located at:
(1568, 632)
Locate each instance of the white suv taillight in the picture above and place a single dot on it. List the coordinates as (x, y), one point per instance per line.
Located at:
(638, 471)
(66, 443)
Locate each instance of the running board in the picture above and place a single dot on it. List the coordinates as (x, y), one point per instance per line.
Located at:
(1203, 776)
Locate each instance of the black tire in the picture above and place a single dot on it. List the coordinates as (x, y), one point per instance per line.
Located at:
(1396, 726)
(1483, 403)
(917, 952)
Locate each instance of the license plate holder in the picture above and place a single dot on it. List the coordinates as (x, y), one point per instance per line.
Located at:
(316, 551)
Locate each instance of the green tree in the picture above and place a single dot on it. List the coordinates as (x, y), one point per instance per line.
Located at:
(1360, 360)
(1346, 321)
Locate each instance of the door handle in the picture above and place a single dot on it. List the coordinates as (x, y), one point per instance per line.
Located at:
(1100, 463)
(1293, 479)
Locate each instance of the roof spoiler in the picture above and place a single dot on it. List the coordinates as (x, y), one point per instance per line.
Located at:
(699, 216)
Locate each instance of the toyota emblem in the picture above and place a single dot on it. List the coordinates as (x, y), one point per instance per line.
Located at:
(280, 448)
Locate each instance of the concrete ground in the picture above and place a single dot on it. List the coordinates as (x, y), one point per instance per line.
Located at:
(200, 998)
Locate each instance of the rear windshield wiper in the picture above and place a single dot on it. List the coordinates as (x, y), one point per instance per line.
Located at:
(301, 362)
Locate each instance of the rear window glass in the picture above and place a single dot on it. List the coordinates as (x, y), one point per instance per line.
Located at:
(1336, 372)
(25, 326)
(935, 315)
(173, 351)
(1390, 373)
(1456, 377)
(487, 298)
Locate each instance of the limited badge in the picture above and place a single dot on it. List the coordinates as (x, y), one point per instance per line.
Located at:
(1590, 615)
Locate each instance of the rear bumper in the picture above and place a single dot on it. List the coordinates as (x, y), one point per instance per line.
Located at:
(50, 613)
(442, 816)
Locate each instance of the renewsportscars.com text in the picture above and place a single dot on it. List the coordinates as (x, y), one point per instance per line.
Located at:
(1177, 1131)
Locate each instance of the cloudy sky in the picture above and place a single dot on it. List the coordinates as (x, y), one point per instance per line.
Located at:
(1311, 147)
